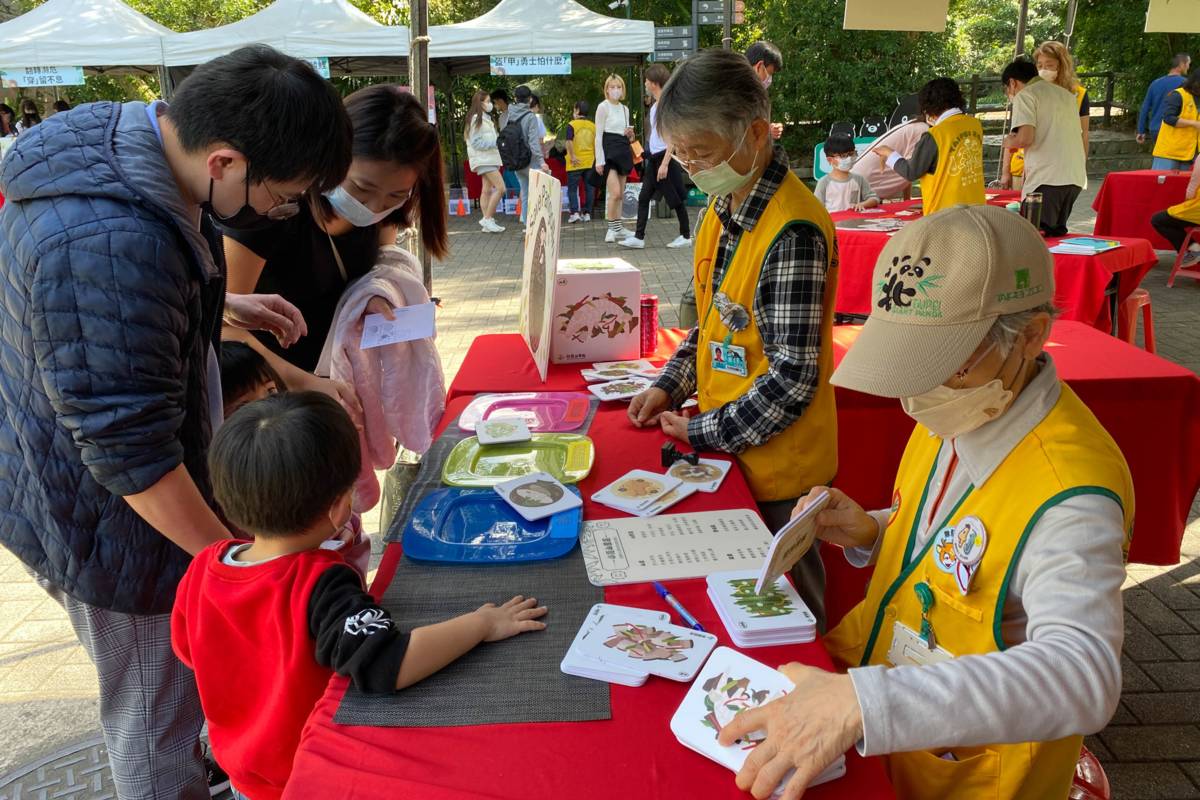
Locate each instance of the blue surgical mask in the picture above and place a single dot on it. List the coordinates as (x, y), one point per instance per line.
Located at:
(351, 209)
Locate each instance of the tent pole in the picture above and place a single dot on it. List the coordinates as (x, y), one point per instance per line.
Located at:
(1022, 17)
(418, 78)
(1069, 27)
(727, 33)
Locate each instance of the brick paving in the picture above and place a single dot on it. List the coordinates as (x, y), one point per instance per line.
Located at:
(1151, 749)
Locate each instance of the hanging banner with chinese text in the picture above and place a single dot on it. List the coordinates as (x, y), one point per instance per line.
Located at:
(29, 77)
(556, 64)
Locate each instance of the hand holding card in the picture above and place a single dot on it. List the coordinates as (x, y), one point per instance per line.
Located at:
(792, 541)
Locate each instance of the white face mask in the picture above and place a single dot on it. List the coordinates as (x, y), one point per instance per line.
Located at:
(487, 107)
(614, 95)
(1048, 74)
(723, 179)
(949, 413)
(351, 209)
(767, 81)
(845, 162)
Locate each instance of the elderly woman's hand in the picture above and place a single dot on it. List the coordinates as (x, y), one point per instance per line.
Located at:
(806, 730)
(843, 522)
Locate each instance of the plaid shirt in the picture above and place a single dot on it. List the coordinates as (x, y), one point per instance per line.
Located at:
(788, 306)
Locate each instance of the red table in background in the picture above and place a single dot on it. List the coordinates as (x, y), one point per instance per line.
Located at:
(1080, 282)
(633, 755)
(1127, 200)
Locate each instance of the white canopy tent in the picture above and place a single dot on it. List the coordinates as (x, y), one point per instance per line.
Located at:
(540, 27)
(98, 34)
(333, 29)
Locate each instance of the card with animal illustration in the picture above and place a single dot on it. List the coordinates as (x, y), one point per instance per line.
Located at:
(625, 388)
(669, 651)
(707, 475)
(503, 430)
(575, 663)
(537, 496)
(676, 495)
(636, 490)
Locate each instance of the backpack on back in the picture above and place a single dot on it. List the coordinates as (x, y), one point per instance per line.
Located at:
(514, 149)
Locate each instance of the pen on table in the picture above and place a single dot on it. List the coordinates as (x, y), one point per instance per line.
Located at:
(691, 621)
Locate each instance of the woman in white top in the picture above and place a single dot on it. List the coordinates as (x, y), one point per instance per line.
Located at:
(484, 158)
(614, 156)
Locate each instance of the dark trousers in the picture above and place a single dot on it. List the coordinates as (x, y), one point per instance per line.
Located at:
(1173, 229)
(1057, 203)
(672, 190)
(574, 178)
(809, 572)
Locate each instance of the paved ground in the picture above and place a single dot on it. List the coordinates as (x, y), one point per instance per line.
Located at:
(48, 705)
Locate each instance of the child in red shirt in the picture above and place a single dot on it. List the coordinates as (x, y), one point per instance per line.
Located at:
(292, 613)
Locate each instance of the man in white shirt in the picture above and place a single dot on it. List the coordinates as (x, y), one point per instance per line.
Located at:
(989, 640)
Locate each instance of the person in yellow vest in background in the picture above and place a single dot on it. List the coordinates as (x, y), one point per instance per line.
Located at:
(1054, 65)
(765, 276)
(581, 157)
(1179, 137)
(989, 641)
(948, 159)
(1172, 224)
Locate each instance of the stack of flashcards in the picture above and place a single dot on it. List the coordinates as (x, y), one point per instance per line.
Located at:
(615, 370)
(644, 493)
(730, 684)
(776, 616)
(626, 645)
(537, 496)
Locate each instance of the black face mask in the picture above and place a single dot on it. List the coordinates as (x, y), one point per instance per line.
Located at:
(244, 219)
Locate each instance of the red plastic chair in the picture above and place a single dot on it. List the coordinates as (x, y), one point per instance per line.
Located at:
(1090, 781)
(1193, 235)
(1127, 323)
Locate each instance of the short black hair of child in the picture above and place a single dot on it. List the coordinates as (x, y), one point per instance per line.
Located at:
(838, 144)
(279, 465)
(940, 95)
(243, 369)
(583, 107)
(1022, 70)
(767, 53)
(275, 110)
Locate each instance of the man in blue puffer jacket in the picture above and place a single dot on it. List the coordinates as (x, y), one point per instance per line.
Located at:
(110, 305)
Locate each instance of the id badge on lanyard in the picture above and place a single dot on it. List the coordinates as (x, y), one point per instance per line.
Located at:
(728, 358)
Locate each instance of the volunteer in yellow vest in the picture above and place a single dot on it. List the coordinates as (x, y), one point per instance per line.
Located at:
(1179, 137)
(581, 157)
(1172, 224)
(1055, 65)
(948, 159)
(765, 276)
(989, 641)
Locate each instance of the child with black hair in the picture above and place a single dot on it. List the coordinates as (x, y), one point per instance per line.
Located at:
(283, 468)
(842, 190)
(245, 377)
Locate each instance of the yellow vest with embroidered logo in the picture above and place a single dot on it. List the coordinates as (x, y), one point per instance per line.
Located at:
(583, 141)
(804, 454)
(1017, 164)
(1066, 455)
(1179, 143)
(958, 176)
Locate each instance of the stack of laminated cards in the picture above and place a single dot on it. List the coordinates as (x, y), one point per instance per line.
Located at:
(776, 616)
(644, 493)
(625, 645)
(730, 684)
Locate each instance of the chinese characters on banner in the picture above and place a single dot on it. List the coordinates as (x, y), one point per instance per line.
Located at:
(31, 77)
(555, 64)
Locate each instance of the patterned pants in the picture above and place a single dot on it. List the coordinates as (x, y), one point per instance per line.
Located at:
(149, 707)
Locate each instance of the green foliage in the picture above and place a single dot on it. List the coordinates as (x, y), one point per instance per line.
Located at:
(984, 32)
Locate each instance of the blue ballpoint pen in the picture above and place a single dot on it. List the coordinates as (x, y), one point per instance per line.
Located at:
(691, 621)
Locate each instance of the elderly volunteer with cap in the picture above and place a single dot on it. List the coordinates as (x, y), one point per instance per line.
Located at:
(989, 640)
(765, 277)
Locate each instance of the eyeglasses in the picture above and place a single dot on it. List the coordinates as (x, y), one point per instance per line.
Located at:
(283, 208)
(693, 165)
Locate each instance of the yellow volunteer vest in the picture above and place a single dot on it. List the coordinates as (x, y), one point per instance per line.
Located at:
(1067, 454)
(1179, 143)
(1016, 166)
(958, 176)
(804, 454)
(1188, 210)
(584, 142)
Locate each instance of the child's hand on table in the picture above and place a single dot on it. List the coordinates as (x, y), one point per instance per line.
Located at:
(518, 615)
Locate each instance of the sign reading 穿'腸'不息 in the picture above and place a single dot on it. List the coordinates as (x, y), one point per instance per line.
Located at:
(23, 77)
(554, 64)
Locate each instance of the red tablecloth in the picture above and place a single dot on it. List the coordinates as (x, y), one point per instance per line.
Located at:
(1127, 200)
(1079, 281)
(633, 755)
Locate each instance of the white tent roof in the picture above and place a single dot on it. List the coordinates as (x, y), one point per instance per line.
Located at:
(301, 28)
(81, 33)
(540, 27)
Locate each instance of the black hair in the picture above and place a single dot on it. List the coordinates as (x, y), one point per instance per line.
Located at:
(1179, 60)
(940, 95)
(6, 125)
(1022, 69)
(280, 464)
(583, 107)
(1192, 84)
(275, 110)
(522, 93)
(62, 105)
(767, 53)
(243, 370)
(839, 144)
(534, 100)
(29, 114)
(391, 125)
(500, 94)
(657, 73)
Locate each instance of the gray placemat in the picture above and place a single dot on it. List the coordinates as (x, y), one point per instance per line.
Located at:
(515, 680)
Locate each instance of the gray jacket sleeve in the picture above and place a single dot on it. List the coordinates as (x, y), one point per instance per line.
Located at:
(529, 124)
(923, 161)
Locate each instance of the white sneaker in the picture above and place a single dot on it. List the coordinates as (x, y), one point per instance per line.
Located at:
(1190, 259)
(680, 241)
(586, 217)
(493, 227)
(632, 241)
(571, 220)
(615, 235)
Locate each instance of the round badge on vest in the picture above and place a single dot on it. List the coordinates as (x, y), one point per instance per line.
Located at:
(970, 540)
(943, 550)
